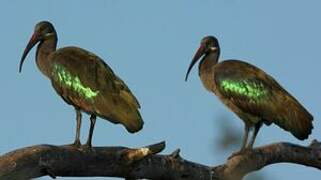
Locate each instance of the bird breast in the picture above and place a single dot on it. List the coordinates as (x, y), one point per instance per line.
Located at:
(206, 74)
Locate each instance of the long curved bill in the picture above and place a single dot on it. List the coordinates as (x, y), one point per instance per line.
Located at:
(32, 42)
(199, 53)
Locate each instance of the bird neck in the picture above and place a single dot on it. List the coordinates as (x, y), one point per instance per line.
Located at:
(44, 49)
(209, 61)
(206, 69)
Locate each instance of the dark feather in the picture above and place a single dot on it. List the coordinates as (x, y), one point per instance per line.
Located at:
(256, 93)
(114, 101)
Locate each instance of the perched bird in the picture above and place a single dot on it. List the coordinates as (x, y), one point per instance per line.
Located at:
(250, 93)
(84, 81)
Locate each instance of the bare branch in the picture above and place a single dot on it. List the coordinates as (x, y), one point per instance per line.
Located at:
(41, 160)
(238, 166)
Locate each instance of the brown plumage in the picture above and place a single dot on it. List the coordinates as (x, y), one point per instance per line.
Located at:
(114, 102)
(84, 81)
(250, 93)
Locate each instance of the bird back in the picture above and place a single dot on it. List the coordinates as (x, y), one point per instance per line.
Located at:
(82, 79)
(256, 93)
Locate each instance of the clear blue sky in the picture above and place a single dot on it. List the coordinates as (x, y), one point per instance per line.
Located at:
(149, 44)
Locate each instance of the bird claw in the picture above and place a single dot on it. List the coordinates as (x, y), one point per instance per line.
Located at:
(238, 153)
(87, 147)
(75, 144)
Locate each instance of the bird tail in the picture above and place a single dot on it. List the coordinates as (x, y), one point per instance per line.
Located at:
(133, 122)
(131, 117)
(303, 126)
(126, 116)
(295, 119)
(119, 110)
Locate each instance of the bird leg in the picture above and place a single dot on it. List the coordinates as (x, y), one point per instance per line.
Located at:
(256, 130)
(245, 137)
(78, 118)
(91, 130)
(244, 142)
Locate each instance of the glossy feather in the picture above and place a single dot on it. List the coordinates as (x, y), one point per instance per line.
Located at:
(257, 94)
(112, 101)
(84, 81)
(250, 93)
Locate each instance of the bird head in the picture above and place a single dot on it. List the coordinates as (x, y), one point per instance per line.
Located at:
(43, 30)
(208, 45)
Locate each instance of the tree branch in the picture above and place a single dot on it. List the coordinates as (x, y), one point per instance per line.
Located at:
(41, 160)
(239, 166)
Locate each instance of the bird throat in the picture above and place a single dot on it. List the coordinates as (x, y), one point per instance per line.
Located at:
(206, 69)
(44, 49)
(209, 61)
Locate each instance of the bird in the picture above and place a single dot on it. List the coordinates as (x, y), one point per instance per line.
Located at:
(252, 94)
(84, 81)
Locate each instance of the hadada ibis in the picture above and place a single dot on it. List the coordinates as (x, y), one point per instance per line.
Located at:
(84, 81)
(253, 95)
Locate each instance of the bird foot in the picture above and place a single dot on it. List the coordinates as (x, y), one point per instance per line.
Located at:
(238, 153)
(76, 144)
(87, 147)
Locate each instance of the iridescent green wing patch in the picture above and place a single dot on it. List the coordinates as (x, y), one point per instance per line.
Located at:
(252, 89)
(72, 82)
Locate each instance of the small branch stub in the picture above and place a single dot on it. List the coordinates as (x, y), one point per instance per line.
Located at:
(175, 154)
(134, 155)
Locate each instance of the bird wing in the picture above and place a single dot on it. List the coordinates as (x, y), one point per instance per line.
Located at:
(256, 93)
(126, 93)
(86, 81)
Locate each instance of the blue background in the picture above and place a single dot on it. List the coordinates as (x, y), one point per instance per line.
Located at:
(149, 44)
